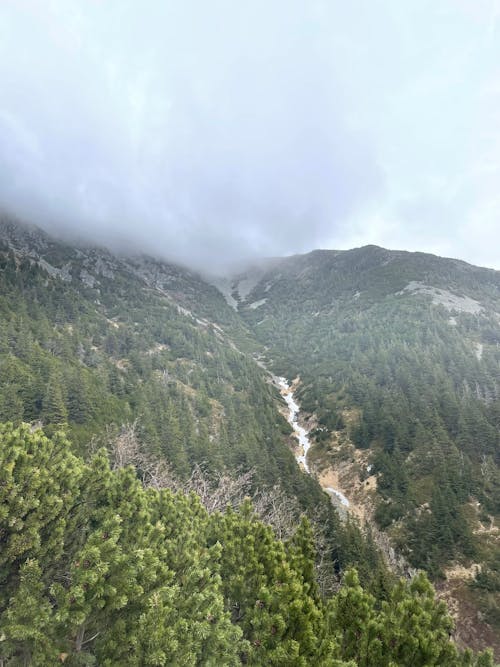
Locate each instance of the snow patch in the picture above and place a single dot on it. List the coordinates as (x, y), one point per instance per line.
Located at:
(257, 304)
(338, 494)
(300, 431)
(442, 297)
(224, 285)
(184, 311)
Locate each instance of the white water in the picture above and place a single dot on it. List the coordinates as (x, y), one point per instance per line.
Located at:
(299, 430)
(339, 495)
(302, 435)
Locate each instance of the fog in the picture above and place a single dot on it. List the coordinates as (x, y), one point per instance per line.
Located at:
(216, 132)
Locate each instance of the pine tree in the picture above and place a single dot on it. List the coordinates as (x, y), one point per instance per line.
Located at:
(267, 597)
(53, 406)
(27, 626)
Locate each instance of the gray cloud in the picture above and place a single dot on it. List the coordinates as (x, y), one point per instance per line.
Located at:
(215, 132)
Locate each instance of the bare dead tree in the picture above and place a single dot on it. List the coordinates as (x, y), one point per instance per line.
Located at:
(157, 474)
(126, 448)
(326, 577)
(221, 490)
(277, 510)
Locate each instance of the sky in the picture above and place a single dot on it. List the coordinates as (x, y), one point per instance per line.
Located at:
(214, 132)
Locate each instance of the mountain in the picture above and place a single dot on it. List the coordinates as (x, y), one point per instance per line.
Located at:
(94, 340)
(109, 346)
(398, 356)
(394, 358)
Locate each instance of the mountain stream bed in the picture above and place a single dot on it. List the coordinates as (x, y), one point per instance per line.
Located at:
(302, 435)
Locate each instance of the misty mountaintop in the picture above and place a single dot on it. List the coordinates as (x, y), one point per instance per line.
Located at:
(366, 274)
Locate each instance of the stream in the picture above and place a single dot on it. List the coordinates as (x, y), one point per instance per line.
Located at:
(302, 435)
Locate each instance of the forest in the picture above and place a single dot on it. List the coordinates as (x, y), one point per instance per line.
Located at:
(410, 375)
(152, 509)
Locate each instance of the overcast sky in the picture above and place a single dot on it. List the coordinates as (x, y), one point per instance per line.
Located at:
(212, 131)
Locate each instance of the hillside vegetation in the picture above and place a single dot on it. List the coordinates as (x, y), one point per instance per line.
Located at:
(95, 569)
(399, 353)
(151, 376)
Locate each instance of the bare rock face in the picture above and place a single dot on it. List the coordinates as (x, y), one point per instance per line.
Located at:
(442, 297)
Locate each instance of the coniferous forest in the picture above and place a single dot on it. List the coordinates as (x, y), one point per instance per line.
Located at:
(96, 568)
(152, 511)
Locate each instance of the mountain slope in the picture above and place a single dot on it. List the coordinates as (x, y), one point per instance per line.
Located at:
(100, 345)
(93, 340)
(398, 361)
(398, 354)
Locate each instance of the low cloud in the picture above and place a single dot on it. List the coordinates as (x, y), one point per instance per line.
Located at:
(216, 132)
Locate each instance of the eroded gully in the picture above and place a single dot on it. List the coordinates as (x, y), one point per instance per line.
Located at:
(302, 435)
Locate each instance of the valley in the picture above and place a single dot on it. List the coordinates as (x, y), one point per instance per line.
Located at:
(359, 389)
(249, 339)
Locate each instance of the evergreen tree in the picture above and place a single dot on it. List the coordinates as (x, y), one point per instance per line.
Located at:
(53, 406)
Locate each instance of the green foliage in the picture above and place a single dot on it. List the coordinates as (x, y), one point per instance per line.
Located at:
(266, 590)
(92, 562)
(146, 342)
(410, 628)
(131, 341)
(398, 374)
(98, 570)
(487, 587)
